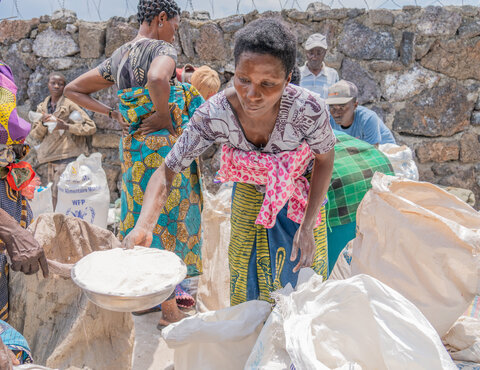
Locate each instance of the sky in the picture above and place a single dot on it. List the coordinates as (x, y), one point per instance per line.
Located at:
(94, 10)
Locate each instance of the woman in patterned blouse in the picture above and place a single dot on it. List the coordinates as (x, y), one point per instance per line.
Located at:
(262, 114)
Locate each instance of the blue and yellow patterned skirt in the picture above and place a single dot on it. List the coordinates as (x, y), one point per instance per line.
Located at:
(178, 227)
(259, 258)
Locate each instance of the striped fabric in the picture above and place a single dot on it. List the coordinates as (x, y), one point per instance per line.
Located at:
(320, 83)
(259, 258)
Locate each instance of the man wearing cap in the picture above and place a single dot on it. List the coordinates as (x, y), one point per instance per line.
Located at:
(315, 75)
(353, 119)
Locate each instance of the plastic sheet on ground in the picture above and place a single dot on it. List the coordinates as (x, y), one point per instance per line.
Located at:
(357, 323)
(217, 340)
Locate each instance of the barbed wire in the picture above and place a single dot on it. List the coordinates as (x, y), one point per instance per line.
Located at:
(240, 6)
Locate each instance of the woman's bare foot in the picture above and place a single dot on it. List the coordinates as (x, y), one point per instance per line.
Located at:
(170, 313)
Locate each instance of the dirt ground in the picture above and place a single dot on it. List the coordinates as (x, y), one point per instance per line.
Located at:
(150, 351)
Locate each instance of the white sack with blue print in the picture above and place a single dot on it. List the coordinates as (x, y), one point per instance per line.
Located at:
(83, 190)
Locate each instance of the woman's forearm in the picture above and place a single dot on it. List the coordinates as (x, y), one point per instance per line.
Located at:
(158, 84)
(321, 176)
(87, 102)
(159, 93)
(155, 197)
(79, 91)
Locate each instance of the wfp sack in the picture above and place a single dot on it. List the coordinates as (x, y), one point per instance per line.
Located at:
(421, 241)
(83, 190)
(217, 340)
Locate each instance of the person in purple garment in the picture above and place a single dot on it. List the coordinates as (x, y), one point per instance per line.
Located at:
(16, 178)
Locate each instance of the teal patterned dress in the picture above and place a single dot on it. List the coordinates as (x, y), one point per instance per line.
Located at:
(178, 228)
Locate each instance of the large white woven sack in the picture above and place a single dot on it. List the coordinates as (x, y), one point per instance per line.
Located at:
(421, 241)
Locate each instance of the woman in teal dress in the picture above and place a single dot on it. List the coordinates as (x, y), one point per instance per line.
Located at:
(154, 109)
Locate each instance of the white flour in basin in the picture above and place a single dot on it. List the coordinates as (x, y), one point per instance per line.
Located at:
(130, 272)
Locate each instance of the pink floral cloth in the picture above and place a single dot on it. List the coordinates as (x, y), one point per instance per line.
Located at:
(282, 174)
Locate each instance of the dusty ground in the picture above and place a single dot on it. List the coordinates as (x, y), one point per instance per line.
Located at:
(150, 351)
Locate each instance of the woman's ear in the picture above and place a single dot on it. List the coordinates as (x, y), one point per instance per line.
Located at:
(162, 17)
(289, 78)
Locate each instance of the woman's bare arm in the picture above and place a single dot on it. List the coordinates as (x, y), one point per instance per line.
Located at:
(79, 91)
(158, 83)
(154, 200)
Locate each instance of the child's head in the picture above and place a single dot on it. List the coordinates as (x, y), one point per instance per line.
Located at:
(206, 81)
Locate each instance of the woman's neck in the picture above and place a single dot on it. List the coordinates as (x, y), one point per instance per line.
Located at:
(256, 129)
(146, 31)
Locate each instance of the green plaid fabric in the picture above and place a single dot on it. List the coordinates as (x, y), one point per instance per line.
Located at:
(355, 163)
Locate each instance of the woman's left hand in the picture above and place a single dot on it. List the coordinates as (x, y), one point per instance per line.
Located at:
(157, 121)
(305, 242)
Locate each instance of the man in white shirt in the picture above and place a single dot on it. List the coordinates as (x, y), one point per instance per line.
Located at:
(315, 75)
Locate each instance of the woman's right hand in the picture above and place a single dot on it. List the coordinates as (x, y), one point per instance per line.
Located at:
(117, 116)
(138, 236)
(157, 121)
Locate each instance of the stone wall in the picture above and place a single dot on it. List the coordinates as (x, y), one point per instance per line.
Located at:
(418, 68)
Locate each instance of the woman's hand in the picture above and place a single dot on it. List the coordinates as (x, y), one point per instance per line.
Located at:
(138, 236)
(157, 121)
(305, 242)
(117, 116)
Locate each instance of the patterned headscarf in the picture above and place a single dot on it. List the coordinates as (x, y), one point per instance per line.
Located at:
(13, 129)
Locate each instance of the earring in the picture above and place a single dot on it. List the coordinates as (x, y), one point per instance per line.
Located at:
(160, 25)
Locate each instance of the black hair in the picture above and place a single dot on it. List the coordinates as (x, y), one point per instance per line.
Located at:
(57, 74)
(149, 9)
(267, 36)
(295, 76)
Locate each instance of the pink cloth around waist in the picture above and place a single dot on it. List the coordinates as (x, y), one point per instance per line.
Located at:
(281, 173)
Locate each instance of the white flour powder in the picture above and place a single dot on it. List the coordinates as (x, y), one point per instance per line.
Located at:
(130, 272)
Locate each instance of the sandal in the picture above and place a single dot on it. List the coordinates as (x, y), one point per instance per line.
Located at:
(150, 310)
(184, 300)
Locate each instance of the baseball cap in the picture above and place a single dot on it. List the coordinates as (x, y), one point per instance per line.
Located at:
(316, 40)
(341, 92)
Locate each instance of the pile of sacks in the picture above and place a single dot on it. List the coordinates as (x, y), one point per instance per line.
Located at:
(397, 290)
